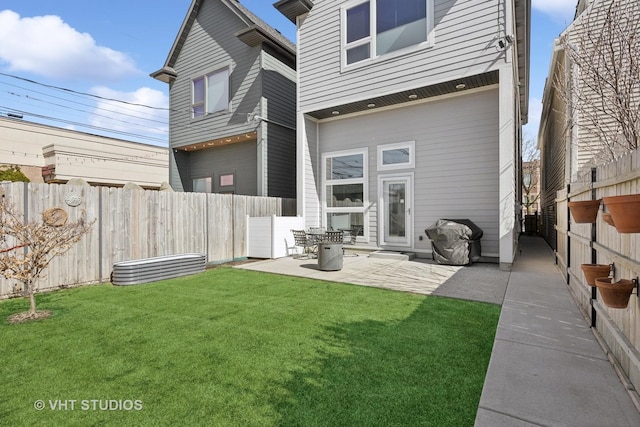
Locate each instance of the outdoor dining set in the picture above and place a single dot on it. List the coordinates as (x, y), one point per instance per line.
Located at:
(310, 239)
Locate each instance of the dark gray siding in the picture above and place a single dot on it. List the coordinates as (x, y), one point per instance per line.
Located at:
(279, 92)
(239, 159)
(552, 160)
(282, 162)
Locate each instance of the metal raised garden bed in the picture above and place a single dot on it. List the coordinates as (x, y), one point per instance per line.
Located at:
(159, 268)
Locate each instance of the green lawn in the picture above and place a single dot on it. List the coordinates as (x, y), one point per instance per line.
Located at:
(235, 347)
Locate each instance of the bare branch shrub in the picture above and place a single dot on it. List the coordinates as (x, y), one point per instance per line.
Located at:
(27, 248)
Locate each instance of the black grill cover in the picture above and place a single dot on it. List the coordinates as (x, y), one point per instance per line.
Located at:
(455, 241)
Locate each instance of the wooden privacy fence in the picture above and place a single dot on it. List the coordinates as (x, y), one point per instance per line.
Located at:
(600, 243)
(134, 224)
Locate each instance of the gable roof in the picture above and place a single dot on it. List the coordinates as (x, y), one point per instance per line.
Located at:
(257, 31)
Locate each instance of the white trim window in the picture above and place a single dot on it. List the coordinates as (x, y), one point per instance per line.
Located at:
(344, 191)
(396, 156)
(210, 93)
(375, 28)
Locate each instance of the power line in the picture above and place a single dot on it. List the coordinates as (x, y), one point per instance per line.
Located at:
(117, 132)
(83, 93)
(89, 112)
(80, 103)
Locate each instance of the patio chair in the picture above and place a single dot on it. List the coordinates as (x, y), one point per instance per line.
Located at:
(334, 237)
(300, 239)
(353, 235)
(351, 238)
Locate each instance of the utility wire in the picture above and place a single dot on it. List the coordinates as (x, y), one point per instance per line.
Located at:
(83, 93)
(117, 132)
(83, 104)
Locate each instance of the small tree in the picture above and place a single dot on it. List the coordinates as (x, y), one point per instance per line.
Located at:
(27, 248)
(12, 173)
(601, 82)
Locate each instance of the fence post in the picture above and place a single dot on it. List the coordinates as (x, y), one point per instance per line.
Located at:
(594, 253)
(568, 254)
(100, 241)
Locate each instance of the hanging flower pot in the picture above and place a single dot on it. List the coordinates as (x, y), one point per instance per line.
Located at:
(606, 217)
(615, 295)
(594, 271)
(625, 211)
(585, 211)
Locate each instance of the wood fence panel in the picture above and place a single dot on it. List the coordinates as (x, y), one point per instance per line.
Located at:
(135, 224)
(561, 231)
(620, 328)
(220, 227)
(15, 194)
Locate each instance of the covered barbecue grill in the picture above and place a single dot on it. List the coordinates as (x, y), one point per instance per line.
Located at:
(455, 241)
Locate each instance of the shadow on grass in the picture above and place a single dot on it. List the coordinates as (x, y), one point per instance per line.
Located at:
(427, 369)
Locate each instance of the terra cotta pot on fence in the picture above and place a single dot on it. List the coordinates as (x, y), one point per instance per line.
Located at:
(606, 217)
(615, 295)
(625, 212)
(584, 211)
(594, 271)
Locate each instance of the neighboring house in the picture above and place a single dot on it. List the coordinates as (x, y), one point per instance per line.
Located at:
(409, 112)
(232, 95)
(531, 187)
(567, 141)
(55, 155)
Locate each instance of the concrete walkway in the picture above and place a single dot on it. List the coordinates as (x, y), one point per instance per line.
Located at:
(546, 367)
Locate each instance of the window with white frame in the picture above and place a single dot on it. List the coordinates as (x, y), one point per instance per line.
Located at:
(345, 189)
(371, 28)
(210, 93)
(396, 156)
(202, 185)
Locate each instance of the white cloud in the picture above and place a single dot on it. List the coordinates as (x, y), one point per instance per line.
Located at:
(136, 119)
(560, 10)
(48, 46)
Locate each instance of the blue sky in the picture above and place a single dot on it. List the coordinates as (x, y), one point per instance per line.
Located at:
(108, 48)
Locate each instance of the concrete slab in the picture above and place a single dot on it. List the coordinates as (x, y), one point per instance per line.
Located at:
(495, 419)
(554, 329)
(551, 387)
(478, 282)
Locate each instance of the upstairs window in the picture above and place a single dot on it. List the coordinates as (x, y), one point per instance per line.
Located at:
(211, 93)
(377, 27)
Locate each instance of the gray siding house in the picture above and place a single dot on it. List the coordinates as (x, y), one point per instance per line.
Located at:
(411, 111)
(232, 94)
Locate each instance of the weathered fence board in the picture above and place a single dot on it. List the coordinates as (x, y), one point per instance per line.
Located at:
(620, 328)
(136, 224)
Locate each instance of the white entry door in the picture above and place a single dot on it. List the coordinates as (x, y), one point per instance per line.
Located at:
(396, 204)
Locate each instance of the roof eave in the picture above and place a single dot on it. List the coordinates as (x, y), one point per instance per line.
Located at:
(255, 35)
(523, 28)
(293, 8)
(165, 74)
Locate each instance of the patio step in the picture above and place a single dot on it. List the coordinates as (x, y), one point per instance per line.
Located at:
(400, 256)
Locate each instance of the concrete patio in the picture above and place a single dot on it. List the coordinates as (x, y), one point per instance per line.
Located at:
(478, 282)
